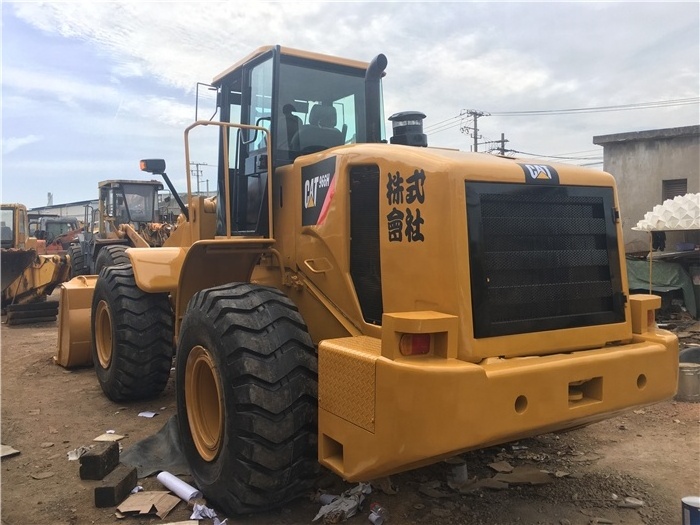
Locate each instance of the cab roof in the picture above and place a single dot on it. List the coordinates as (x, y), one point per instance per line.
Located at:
(291, 52)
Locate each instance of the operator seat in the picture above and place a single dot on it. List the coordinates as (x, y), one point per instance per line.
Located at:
(319, 133)
(6, 235)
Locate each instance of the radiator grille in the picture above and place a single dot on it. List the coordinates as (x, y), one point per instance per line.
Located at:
(365, 266)
(542, 258)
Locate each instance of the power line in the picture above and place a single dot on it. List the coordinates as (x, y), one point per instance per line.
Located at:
(457, 120)
(602, 109)
(559, 157)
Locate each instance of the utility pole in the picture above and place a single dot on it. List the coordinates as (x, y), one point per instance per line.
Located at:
(198, 171)
(502, 142)
(473, 130)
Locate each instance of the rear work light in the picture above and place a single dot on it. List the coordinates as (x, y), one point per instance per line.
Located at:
(415, 344)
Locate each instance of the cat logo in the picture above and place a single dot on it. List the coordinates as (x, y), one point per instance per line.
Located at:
(540, 174)
(312, 186)
(317, 190)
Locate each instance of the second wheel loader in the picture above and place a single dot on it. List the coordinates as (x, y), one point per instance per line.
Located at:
(370, 304)
(127, 216)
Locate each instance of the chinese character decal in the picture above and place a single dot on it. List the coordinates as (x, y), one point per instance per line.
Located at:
(415, 191)
(394, 189)
(395, 221)
(405, 225)
(413, 224)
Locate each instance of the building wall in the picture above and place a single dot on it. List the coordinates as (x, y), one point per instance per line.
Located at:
(640, 162)
(71, 209)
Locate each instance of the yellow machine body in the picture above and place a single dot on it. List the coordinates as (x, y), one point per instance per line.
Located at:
(421, 353)
(380, 411)
(29, 274)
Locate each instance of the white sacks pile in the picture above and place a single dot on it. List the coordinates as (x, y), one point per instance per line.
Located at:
(680, 213)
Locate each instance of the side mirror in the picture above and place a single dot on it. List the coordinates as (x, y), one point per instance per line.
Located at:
(155, 166)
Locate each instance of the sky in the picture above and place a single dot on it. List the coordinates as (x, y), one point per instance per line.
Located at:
(89, 89)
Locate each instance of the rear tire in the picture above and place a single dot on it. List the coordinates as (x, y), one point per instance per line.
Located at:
(247, 389)
(132, 337)
(111, 256)
(77, 260)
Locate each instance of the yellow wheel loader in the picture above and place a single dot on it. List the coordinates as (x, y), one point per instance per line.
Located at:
(29, 273)
(127, 216)
(372, 305)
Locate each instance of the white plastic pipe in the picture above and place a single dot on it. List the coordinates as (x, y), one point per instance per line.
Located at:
(174, 484)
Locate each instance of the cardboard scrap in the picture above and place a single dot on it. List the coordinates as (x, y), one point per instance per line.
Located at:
(108, 437)
(6, 451)
(524, 476)
(159, 503)
(501, 466)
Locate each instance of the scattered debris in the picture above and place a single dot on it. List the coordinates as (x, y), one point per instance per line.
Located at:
(325, 499)
(184, 491)
(491, 484)
(346, 506)
(43, 475)
(201, 511)
(109, 437)
(586, 457)
(386, 486)
(145, 503)
(6, 451)
(458, 474)
(524, 475)
(148, 414)
(501, 466)
(76, 453)
(377, 514)
(631, 503)
(430, 489)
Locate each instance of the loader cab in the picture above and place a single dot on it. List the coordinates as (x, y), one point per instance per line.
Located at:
(126, 202)
(308, 102)
(13, 226)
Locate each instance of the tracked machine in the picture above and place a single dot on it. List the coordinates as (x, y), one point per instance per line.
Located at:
(371, 305)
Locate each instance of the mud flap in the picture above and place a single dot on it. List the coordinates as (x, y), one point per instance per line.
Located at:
(74, 326)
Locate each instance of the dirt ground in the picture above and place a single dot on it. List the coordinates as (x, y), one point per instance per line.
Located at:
(650, 454)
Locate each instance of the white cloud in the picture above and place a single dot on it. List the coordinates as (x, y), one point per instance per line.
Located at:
(11, 144)
(128, 91)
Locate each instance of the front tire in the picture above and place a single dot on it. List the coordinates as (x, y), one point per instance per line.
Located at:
(246, 382)
(113, 255)
(132, 337)
(77, 260)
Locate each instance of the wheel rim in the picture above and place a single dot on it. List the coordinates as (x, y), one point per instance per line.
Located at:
(103, 334)
(203, 401)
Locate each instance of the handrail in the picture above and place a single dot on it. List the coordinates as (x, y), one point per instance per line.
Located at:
(227, 183)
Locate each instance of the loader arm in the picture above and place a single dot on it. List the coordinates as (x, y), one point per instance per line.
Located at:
(133, 235)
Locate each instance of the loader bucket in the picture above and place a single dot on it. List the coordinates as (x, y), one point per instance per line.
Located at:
(14, 262)
(74, 326)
